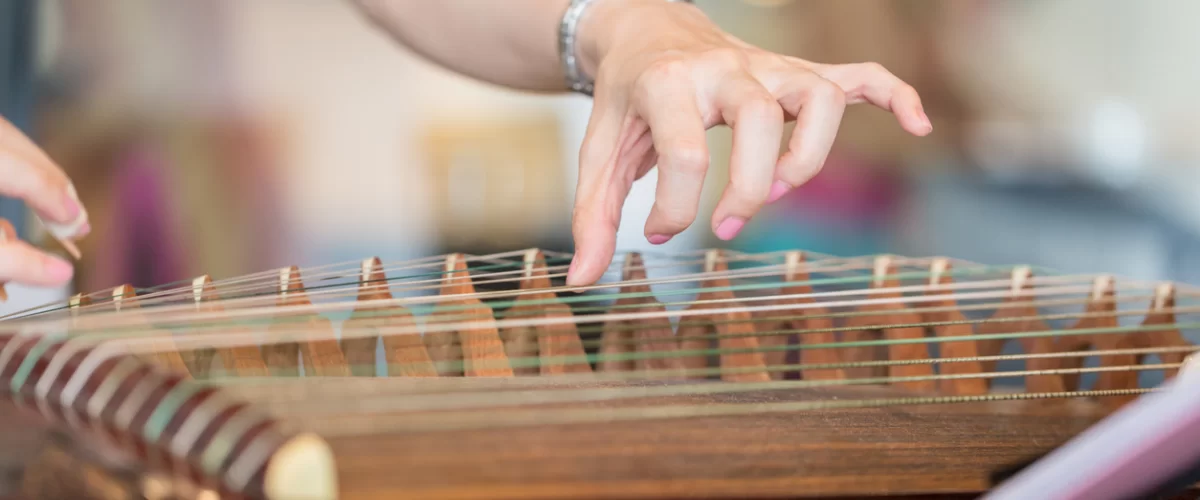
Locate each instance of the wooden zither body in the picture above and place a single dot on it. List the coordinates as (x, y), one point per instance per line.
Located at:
(711, 374)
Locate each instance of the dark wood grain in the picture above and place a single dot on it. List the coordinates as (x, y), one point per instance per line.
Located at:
(934, 449)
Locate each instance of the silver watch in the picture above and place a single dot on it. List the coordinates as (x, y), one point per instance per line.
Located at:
(568, 50)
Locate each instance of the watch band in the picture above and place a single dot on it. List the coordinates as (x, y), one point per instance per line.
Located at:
(568, 49)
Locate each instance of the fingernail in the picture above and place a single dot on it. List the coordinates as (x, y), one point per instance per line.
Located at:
(925, 118)
(58, 270)
(71, 203)
(572, 270)
(730, 227)
(658, 239)
(778, 189)
(84, 230)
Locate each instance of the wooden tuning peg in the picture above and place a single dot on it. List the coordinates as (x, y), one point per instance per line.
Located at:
(953, 324)
(1018, 313)
(893, 320)
(1098, 314)
(544, 349)
(741, 359)
(655, 336)
(242, 360)
(536, 276)
(473, 347)
(77, 302)
(319, 348)
(814, 324)
(163, 351)
(404, 352)
(1162, 314)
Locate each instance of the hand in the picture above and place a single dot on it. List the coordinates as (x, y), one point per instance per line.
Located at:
(28, 174)
(664, 74)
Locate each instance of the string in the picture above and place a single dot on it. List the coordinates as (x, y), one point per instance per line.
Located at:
(350, 333)
(695, 277)
(938, 286)
(282, 392)
(222, 319)
(418, 304)
(437, 275)
(349, 268)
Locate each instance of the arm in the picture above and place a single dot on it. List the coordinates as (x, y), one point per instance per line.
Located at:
(509, 42)
(664, 73)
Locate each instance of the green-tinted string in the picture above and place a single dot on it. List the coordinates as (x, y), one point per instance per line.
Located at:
(441, 308)
(224, 376)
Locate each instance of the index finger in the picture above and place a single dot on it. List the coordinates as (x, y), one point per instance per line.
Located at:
(28, 174)
(873, 83)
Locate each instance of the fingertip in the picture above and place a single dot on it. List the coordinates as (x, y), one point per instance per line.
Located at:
(590, 261)
(582, 271)
(920, 125)
(58, 271)
(22, 263)
(778, 189)
(573, 278)
(729, 228)
(911, 113)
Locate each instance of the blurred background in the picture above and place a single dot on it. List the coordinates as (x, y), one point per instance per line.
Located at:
(228, 137)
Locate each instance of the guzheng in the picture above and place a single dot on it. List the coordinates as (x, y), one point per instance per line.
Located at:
(712, 374)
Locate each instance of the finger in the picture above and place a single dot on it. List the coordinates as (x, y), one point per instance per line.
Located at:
(873, 83)
(757, 122)
(22, 263)
(609, 161)
(677, 129)
(7, 233)
(27, 174)
(818, 105)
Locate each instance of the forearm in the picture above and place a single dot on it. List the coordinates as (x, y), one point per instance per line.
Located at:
(508, 42)
(515, 42)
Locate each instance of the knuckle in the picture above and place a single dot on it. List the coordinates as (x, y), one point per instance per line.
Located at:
(676, 219)
(662, 71)
(46, 185)
(761, 107)
(688, 157)
(801, 169)
(588, 214)
(874, 67)
(727, 56)
(28, 183)
(828, 91)
(752, 195)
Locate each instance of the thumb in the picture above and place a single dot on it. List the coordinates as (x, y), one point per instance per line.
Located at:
(27, 265)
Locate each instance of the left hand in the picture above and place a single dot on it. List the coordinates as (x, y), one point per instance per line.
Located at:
(664, 75)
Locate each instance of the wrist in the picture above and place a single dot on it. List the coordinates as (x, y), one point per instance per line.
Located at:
(608, 24)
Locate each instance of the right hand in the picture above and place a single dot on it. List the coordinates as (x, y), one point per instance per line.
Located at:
(27, 173)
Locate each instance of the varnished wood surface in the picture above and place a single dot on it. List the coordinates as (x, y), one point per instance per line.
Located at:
(912, 450)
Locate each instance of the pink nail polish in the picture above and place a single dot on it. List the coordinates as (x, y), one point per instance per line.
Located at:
(778, 189)
(72, 206)
(658, 239)
(84, 230)
(58, 270)
(730, 227)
